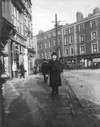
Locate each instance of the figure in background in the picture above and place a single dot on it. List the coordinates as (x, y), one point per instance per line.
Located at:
(55, 69)
(44, 69)
(35, 69)
(22, 70)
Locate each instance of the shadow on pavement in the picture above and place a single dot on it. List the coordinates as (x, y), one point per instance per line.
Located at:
(19, 114)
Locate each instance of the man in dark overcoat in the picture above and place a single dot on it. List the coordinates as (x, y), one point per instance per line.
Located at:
(55, 69)
(44, 69)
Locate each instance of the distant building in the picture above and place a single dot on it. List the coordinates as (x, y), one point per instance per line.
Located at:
(46, 43)
(69, 43)
(78, 43)
(88, 38)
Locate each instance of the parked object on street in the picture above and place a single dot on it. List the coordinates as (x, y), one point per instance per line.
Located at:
(55, 69)
(44, 70)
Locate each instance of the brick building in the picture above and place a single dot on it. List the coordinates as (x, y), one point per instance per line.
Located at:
(88, 39)
(46, 43)
(81, 47)
(79, 41)
(69, 43)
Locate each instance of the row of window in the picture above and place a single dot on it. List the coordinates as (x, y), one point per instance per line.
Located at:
(49, 35)
(81, 26)
(68, 30)
(47, 55)
(69, 51)
(82, 49)
(49, 44)
(93, 37)
(94, 48)
(20, 20)
(70, 39)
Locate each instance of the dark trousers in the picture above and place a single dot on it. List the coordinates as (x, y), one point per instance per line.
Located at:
(45, 78)
(22, 75)
(55, 89)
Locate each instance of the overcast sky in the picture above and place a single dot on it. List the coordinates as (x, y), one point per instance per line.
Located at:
(43, 12)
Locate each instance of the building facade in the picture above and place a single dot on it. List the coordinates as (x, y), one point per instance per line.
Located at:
(46, 43)
(35, 49)
(77, 44)
(88, 39)
(69, 44)
(18, 15)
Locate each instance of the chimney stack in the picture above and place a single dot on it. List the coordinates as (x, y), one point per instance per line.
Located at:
(96, 10)
(79, 16)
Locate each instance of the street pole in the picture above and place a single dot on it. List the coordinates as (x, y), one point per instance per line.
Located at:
(1, 97)
(56, 27)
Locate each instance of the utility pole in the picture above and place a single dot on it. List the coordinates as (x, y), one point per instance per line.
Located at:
(56, 27)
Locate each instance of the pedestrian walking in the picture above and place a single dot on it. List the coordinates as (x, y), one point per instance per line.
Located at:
(44, 69)
(55, 68)
(22, 71)
(35, 69)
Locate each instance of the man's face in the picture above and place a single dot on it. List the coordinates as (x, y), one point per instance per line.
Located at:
(54, 57)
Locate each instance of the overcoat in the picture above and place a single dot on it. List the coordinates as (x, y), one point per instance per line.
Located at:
(44, 68)
(22, 70)
(55, 69)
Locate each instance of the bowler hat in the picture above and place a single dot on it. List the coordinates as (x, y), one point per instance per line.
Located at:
(54, 53)
(44, 59)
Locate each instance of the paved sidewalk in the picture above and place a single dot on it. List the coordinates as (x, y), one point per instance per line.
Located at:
(31, 104)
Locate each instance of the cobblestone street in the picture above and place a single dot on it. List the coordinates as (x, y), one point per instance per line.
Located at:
(31, 104)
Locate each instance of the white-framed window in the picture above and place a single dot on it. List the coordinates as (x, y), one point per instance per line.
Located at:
(70, 30)
(46, 44)
(94, 48)
(93, 35)
(82, 38)
(70, 39)
(54, 43)
(72, 51)
(49, 55)
(93, 23)
(59, 53)
(82, 49)
(54, 33)
(66, 31)
(59, 32)
(66, 40)
(81, 26)
(45, 36)
(50, 43)
(49, 35)
(59, 41)
(66, 51)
